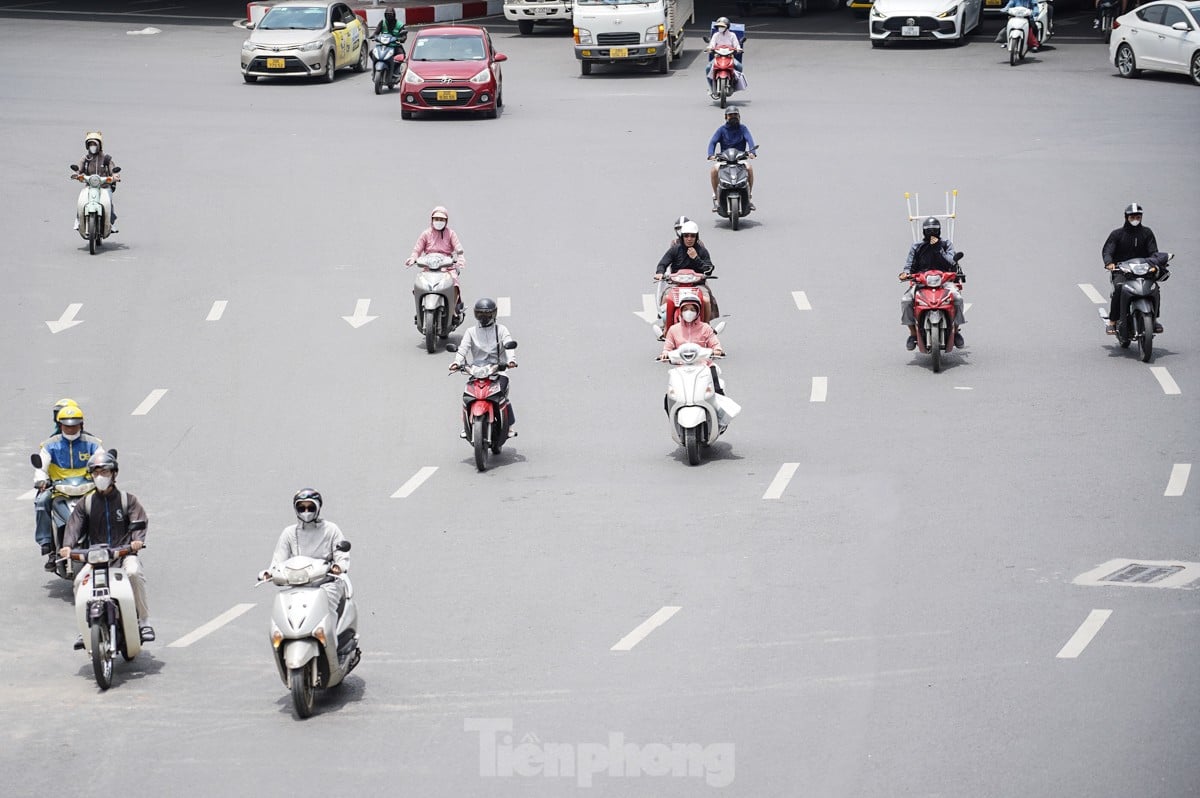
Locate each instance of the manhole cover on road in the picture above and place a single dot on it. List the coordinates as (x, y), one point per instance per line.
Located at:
(1143, 573)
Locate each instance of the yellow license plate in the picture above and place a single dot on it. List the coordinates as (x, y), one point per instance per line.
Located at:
(619, 52)
(995, 3)
(276, 63)
(447, 94)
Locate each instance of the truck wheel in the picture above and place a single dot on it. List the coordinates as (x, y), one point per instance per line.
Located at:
(664, 63)
(525, 26)
(585, 67)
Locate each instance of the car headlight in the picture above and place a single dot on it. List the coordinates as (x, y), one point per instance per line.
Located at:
(483, 77)
(656, 34)
(583, 36)
(249, 46)
(412, 77)
(950, 12)
(310, 46)
(877, 14)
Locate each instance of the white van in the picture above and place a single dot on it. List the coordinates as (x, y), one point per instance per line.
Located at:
(641, 32)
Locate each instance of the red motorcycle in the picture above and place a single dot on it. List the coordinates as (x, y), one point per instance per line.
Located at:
(674, 287)
(724, 74)
(933, 309)
(486, 414)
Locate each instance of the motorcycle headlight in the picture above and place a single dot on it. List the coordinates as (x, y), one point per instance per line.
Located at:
(583, 36)
(412, 77)
(97, 556)
(950, 12)
(483, 77)
(249, 46)
(310, 46)
(656, 34)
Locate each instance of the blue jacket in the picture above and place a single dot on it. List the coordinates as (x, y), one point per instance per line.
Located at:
(739, 138)
(1030, 4)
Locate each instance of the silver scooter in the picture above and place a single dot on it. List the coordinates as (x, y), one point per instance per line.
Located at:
(93, 209)
(436, 299)
(67, 493)
(314, 648)
(698, 413)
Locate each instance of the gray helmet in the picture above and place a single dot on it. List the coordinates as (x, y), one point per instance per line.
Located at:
(485, 312)
(102, 459)
(306, 496)
(722, 22)
(931, 226)
(1133, 209)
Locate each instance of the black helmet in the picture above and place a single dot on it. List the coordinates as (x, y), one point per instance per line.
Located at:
(1133, 209)
(306, 496)
(485, 312)
(931, 226)
(103, 459)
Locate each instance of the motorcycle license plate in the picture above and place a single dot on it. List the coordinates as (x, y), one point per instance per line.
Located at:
(275, 63)
(619, 52)
(910, 30)
(447, 94)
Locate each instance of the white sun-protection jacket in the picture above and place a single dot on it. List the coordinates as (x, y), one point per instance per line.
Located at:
(478, 347)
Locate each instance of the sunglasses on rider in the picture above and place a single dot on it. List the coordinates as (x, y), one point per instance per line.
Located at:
(306, 507)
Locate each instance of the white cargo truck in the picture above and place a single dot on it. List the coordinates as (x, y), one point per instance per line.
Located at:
(642, 32)
(527, 13)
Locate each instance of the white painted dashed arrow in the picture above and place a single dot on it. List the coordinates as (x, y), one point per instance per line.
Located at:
(649, 312)
(360, 316)
(67, 320)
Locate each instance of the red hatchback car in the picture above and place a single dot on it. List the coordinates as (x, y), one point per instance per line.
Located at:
(452, 68)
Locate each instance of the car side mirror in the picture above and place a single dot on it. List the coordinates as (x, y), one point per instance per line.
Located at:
(958, 256)
(339, 25)
(137, 526)
(35, 460)
(1181, 26)
(74, 167)
(500, 57)
(344, 546)
(399, 58)
(249, 26)
(510, 345)
(116, 169)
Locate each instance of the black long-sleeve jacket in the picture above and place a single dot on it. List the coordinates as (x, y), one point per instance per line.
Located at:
(1128, 242)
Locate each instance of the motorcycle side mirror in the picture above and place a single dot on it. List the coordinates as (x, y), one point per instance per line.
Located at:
(116, 169)
(36, 459)
(451, 347)
(344, 546)
(113, 452)
(137, 526)
(958, 256)
(511, 345)
(74, 167)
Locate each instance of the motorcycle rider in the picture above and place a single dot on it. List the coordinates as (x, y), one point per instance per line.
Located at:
(723, 37)
(482, 345)
(731, 134)
(1034, 45)
(97, 162)
(1127, 242)
(389, 24)
(64, 455)
(59, 405)
(439, 238)
(686, 253)
(931, 253)
(313, 536)
(690, 330)
(105, 516)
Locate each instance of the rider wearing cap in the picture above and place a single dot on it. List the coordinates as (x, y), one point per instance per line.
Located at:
(736, 135)
(1129, 241)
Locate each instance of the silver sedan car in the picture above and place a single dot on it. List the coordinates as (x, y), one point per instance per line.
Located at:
(299, 39)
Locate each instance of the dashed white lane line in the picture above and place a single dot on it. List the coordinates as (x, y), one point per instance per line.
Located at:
(820, 388)
(963, 388)
(649, 311)
(218, 310)
(67, 320)
(27, 495)
(801, 300)
(1169, 386)
(210, 627)
(414, 482)
(1179, 478)
(780, 483)
(503, 306)
(1084, 634)
(1091, 293)
(645, 628)
(149, 402)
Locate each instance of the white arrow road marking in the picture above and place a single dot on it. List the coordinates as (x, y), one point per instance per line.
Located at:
(1084, 634)
(360, 316)
(210, 627)
(1169, 386)
(27, 495)
(67, 320)
(218, 310)
(415, 482)
(649, 312)
(503, 306)
(644, 628)
(149, 402)
(780, 483)
(1178, 481)
(801, 300)
(820, 387)
(1091, 293)
(967, 306)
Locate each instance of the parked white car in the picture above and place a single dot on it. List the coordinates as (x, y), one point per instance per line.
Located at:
(1162, 36)
(910, 20)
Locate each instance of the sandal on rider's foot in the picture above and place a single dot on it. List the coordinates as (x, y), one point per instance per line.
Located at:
(1110, 328)
(146, 633)
(78, 645)
(958, 340)
(1157, 328)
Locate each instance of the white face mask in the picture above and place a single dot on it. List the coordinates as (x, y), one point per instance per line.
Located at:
(689, 315)
(71, 436)
(103, 483)
(93, 149)
(439, 224)
(1134, 222)
(307, 517)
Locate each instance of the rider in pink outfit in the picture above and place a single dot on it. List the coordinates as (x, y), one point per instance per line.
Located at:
(690, 330)
(440, 239)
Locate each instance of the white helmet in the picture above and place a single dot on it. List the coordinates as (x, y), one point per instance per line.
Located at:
(689, 228)
(680, 222)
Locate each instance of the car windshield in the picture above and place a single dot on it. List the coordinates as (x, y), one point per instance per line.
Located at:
(448, 48)
(294, 18)
(1195, 9)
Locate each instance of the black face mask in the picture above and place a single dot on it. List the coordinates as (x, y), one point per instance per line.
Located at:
(731, 123)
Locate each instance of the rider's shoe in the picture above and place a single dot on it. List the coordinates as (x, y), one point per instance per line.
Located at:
(958, 340)
(78, 645)
(911, 343)
(146, 632)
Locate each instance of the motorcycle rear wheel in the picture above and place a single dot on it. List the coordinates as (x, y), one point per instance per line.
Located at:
(302, 691)
(102, 664)
(935, 347)
(430, 331)
(691, 442)
(477, 438)
(1146, 340)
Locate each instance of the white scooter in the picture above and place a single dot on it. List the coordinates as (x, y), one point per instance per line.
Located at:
(314, 648)
(1043, 21)
(436, 299)
(94, 207)
(1016, 33)
(105, 611)
(698, 414)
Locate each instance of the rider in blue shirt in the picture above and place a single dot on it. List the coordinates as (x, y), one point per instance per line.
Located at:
(731, 134)
(1034, 45)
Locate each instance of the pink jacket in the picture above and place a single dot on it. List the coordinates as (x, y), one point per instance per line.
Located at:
(696, 332)
(444, 242)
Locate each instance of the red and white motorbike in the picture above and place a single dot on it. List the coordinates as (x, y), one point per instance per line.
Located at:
(674, 287)
(933, 309)
(724, 74)
(486, 412)
(697, 412)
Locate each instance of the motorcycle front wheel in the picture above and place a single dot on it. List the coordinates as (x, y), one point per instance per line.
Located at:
(735, 211)
(302, 692)
(723, 90)
(691, 442)
(93, 233)
(1014, 52)
(102, 664)
(430, 331)
(477, 438)
(379, 82)
(1146, 341)
(935, 347)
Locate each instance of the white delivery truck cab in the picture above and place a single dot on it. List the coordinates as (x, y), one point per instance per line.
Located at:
(641, 32)
(527, 13)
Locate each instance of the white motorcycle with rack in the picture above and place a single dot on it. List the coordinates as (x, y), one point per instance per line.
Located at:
(314, 647)
(436, 298)
(93, 209)
(105, 611)
(697, 412)
(1016, 33)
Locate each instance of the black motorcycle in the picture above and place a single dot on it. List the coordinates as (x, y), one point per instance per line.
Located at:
(1107, 11)
(383, 54)
(733, 184)
(1139, 301)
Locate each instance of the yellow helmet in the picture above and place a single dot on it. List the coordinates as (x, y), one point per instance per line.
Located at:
(70, 415)
(60, 404)
(94, 135)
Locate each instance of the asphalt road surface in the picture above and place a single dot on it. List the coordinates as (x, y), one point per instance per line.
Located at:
(868, 588)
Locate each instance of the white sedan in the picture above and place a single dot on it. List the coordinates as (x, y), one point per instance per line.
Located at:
(1163, 36)
(907, 20)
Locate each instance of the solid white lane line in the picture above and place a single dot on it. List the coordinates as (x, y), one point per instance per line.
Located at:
(27, 495)
(415, 482)
(1084, 634)
(649, 311)
(780, 483)
(820, 387)
(1178, 481)
(503, 306)
(1169, 386)
(1091, 293)
(360, 317)
(210, 627)
(646, 627)
(67, 320)
(801, 300)
(149, 402)
(218, 310)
